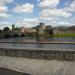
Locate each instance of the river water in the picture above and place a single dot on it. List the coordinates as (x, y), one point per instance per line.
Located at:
(38, 46)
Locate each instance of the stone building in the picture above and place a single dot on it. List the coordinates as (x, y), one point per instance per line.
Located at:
(13, 27)
(49, 30)
(44, 29)
(40, 29)
(28, 30)
(64, 30)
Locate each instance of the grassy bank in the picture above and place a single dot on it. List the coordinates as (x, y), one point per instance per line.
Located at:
(60, 35)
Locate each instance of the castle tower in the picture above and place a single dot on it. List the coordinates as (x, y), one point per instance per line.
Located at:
(40, 29)
(13, 27)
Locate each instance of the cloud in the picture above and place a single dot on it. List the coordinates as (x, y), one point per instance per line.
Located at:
(3, 12)
(73, 3)
(28, 22)
(3, 9)
(55, 16)
(52, 15)
(63, 23)
(58, 22)
(25, 8)
(3, 2)
(4, 24)
(4, 15)
(71, 7)
(46, 13)
(48, 3)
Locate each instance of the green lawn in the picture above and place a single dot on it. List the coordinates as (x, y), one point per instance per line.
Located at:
(60, 35)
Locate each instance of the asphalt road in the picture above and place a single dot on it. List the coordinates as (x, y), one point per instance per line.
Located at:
(4, 71)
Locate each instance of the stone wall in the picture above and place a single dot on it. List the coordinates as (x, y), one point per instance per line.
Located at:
(39, 54)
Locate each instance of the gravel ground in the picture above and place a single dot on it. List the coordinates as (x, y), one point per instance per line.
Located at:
(38, 67)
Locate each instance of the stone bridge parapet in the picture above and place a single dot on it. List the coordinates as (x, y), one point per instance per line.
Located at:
(38, 54)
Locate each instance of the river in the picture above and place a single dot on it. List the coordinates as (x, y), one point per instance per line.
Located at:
(41, 46)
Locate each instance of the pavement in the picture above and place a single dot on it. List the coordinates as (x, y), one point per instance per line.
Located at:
(37, 66)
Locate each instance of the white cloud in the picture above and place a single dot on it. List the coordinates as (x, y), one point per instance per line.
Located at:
(27, 22)
(46, 13)
(3, 12)
(63, 23)
(71, 7)
(5, 24)
(48, 19)
(3, 2)
(31, 20)
(49, 3)
(4, 15)
(3, 9)
(55, 16)
(27, 8)
(73, 3)
(58, 22)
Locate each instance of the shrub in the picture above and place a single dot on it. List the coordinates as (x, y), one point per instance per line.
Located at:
(16, 35)
(7, 36)
(22, 35)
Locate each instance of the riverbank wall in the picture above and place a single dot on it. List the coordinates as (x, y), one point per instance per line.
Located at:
(39, 54)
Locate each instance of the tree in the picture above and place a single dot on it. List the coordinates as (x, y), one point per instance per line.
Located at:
(16, 35)
(6, 29)
(22, 35)
(7, 36)
(0, 30)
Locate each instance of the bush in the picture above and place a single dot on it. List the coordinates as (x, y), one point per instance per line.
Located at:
(16, 35)
(7, 36)
(0, 37)
(22, 35)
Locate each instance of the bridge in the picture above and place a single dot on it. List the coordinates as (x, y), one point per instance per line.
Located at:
(11, 34)
(38, 62)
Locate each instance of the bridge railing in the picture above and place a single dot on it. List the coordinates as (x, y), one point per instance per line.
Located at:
(38, 54)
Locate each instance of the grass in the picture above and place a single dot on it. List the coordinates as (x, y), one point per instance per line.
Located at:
(64, 35)
(60, 35)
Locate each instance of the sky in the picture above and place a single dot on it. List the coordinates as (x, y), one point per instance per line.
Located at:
(29, 13)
